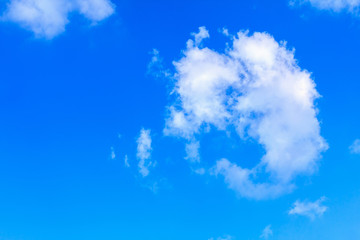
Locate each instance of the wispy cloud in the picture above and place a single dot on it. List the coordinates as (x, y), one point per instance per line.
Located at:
(267, 232)
(309, 209)
(48, 18)
(112, 154)
(144, 152)
(257, 88)
(192, 151)
(199, 37)
(226, 237)
(355, 147)
(126, 161)
(200, 171)
(351, 6)
(156, 66)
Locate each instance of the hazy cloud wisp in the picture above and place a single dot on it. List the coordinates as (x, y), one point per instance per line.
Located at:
(144, 152)
(267, 232)
(355, 147)
(351, 6)
(309, 209)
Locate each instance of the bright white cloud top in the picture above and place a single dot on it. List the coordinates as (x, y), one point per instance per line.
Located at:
(355, 147)
(256, 87)
(309, 209)
(144, 152)
(48, 18)
(351, 6)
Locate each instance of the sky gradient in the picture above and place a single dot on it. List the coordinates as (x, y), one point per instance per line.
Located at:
(172, 120)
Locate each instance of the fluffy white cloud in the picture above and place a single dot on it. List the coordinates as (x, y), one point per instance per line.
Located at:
(267, 232)
(144, 152)
(351, 6)
(355, 147)
(309, 209)
(256, 87)
(48, 18)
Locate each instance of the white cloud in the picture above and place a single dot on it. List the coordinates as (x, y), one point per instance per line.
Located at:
(144, 152)
(156, 67)
(112, 155)
(351, 6)
(200, 171)
(192, 151)
(200, 36)
(256, 87)
(95, 10)
(126, 161)
(241, 180)
(225, 31)
(309, 209)
(355, 147)
(48, 18)
(267, 232)
(227, 237)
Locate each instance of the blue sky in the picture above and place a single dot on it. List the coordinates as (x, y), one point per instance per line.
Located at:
(225, 136)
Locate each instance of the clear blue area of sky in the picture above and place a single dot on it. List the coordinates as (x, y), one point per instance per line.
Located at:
(63, 103)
